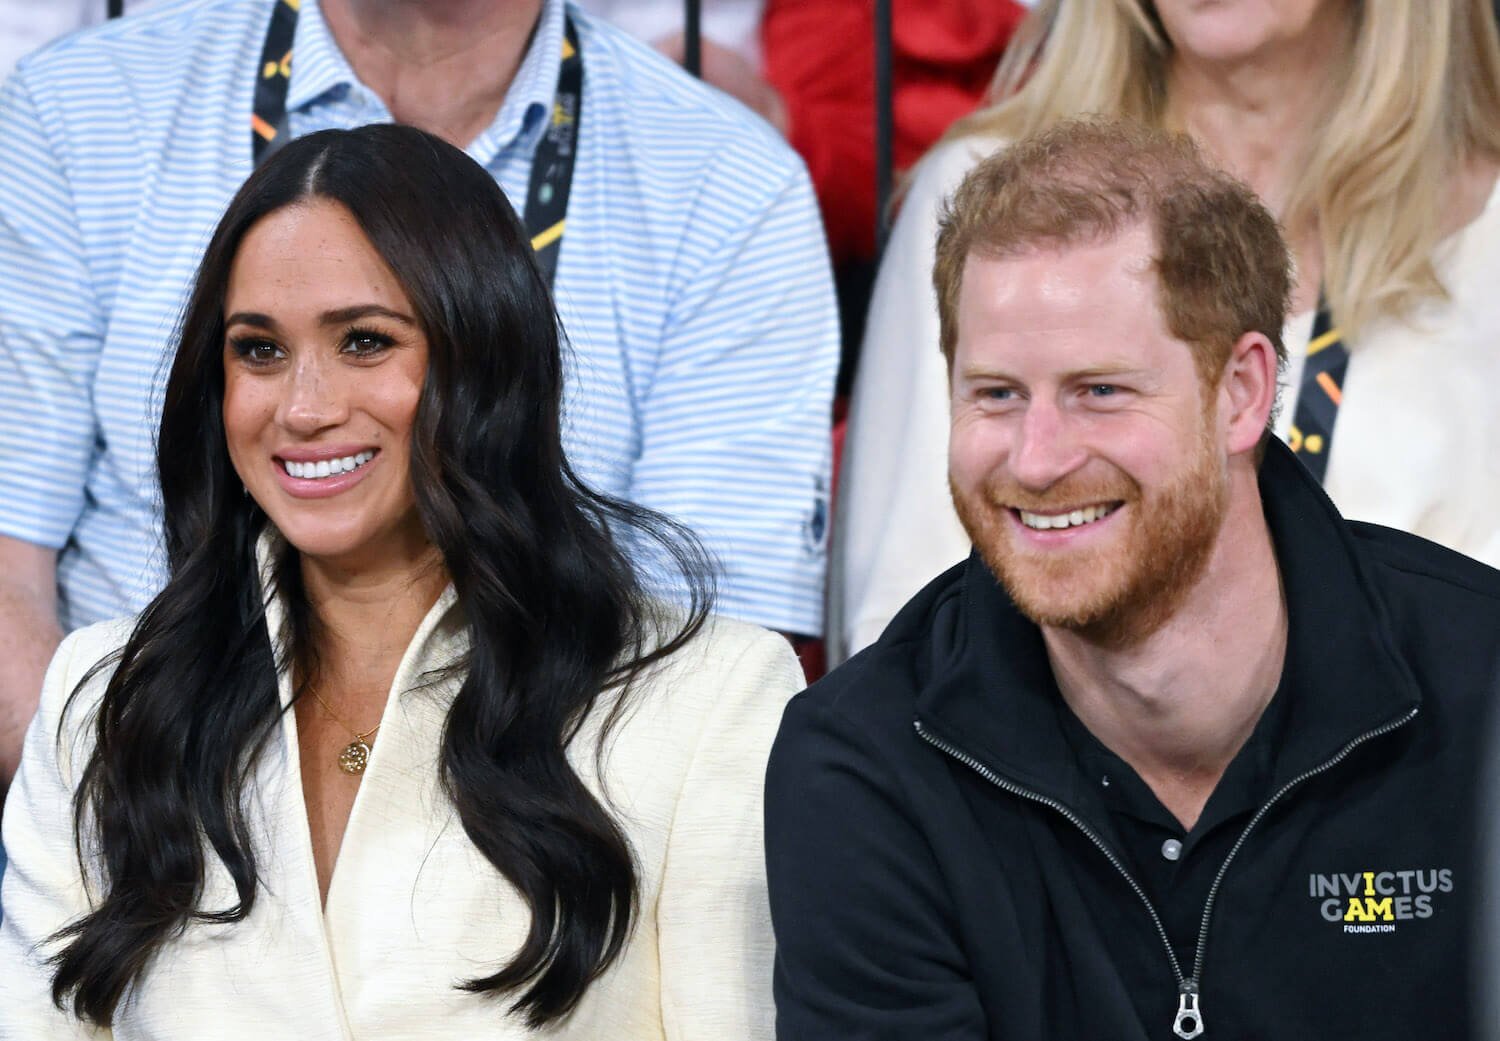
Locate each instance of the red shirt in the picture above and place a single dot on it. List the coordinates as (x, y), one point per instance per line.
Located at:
(820, 55)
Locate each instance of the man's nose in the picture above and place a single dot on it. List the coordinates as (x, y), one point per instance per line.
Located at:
(313, 398)
(1046, 447)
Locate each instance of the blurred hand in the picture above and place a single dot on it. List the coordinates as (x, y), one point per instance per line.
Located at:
(730, 72)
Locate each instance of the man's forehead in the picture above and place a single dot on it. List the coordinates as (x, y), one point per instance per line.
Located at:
(1091, 308)
(1109, 281)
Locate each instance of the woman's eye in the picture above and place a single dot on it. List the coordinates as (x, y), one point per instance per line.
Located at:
(366, 342)
(255, 351)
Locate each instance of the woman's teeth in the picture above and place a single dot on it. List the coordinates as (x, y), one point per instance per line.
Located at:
(1046, 521)
(326, 467)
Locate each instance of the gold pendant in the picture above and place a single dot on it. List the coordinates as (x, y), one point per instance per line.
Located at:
(355, 757)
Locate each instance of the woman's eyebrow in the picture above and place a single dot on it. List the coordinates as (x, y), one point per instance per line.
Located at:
(255, 318)
(342, 315)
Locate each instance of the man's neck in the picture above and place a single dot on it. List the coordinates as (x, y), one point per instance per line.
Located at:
(1179, 704)
(443, 66)
(1256, 115)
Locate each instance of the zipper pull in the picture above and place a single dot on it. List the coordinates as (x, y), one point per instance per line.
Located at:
(1189, 1021)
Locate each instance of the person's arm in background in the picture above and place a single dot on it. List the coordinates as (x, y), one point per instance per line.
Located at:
(51, 331)
(735, 417)
(29, 633)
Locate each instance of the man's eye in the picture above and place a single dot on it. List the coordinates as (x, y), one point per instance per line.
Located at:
(998, 393)
(1103, 390)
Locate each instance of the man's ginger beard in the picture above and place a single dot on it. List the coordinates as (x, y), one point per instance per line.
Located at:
(1116, 594)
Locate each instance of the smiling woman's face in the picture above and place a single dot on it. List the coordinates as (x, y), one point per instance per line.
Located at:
(323, 367)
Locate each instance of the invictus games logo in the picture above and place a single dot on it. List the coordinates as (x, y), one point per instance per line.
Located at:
(1375, 901)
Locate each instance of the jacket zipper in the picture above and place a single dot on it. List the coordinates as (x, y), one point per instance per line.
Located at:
(1188, 1022)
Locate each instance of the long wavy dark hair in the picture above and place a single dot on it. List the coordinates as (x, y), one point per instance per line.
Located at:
(557, 617)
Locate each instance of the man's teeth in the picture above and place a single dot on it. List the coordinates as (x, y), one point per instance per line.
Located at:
(1045, 521)
(327, 467)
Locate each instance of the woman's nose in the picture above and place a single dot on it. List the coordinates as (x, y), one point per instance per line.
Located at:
(313, 398)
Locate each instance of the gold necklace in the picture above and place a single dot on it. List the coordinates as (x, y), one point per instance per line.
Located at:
(356, 754)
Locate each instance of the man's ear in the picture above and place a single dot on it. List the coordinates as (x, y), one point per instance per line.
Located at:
(1248, 390)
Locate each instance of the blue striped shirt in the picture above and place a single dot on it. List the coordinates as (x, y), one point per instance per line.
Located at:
(693, 286)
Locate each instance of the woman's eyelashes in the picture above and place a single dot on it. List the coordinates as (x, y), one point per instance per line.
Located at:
(358, 342)
(365, 342)
(255, 350)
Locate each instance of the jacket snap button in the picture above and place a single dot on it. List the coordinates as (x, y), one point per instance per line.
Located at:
(1171, 849)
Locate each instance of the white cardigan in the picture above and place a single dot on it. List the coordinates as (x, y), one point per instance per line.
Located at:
(1416, 445)
(412, 907)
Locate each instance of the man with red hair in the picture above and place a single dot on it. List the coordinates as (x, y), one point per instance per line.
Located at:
(1177, 747)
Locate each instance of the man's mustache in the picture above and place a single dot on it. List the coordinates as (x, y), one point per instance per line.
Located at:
(1070, 493)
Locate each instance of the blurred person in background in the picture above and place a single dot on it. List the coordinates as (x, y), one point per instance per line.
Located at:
(820, 55)
(730, 44)
(1372, 130)
(820, 58)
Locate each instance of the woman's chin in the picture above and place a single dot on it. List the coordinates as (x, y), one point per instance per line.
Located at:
(322, 541)
(354, 543)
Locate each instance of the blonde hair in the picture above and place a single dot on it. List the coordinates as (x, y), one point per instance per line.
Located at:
(1417, 96)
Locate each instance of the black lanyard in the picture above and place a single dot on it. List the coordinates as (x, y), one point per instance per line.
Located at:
(1320, 394)
(551, 168)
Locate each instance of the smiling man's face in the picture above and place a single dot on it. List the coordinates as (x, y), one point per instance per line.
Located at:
(1086, 457)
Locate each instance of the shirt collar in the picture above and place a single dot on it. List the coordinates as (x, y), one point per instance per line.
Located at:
(320, 68)
(530, 97)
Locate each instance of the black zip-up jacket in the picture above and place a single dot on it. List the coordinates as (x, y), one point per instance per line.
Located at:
(941, 869)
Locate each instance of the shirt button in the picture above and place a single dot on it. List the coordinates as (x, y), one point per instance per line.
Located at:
(1171, 849)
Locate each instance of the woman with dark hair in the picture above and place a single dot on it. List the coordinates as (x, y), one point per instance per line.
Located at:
(404, 748)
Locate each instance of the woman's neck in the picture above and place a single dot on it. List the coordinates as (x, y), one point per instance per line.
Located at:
(368, 614)
(1256, 115)
(443, 66)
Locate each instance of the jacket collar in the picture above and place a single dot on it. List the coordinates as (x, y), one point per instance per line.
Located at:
(989, 689)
